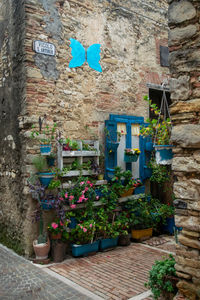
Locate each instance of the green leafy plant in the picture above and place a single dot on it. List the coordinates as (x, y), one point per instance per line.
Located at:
(162, 277)
(46, 136)
(54, 184)
(123, 222)
(56, 226)
(160, 173)
(70, 145)
(106, 225)
(122, 181)
(161, 131)
(40, 163)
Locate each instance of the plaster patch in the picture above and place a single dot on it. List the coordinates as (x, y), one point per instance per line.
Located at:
(47, 66)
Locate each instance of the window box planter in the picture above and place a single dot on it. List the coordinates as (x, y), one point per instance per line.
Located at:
(79, 250)
(45, 178)
(108, 243)
(45, 149)
(164, 154)
(130, 158)
(138, 234)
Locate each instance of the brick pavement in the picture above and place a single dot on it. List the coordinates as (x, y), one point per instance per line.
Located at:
(118, 274)
(21, 280)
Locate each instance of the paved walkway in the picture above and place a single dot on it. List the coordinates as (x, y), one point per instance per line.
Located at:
(21, 280)
(119, 274)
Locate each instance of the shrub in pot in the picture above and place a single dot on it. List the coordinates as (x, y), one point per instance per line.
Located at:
(44, 174)
(162, 279)
(56, 228)
(123, 223)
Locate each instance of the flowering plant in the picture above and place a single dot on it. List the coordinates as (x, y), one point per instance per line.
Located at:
(46, 136)
(134, 151)
(80, 192)
(56, 227)
(83, 233)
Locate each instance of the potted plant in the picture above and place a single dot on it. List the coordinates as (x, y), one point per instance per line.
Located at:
(70, 145)
(46, 137)
(45, 176)
(131, 155)
(163, 279)
(111, 144)
(123, 223)
(82, 238)
(160, 131)
(107, 230)
(122, 182)
(141, 219)
(166, 212)
(56, 228)
(51, 159)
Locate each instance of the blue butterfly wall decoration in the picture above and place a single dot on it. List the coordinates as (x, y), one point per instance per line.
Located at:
(79, 55)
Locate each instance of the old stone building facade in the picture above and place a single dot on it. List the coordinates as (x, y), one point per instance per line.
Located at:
(32, 84)
(185, 93)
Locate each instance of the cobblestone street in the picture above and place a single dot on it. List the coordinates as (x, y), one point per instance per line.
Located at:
(20, 279)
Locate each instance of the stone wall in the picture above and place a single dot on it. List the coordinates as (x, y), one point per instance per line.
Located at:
(185, 94)
(81, 99)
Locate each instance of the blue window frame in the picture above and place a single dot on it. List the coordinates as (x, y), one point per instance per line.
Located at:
(111, 156)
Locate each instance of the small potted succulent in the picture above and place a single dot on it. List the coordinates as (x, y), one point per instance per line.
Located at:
(131, 155)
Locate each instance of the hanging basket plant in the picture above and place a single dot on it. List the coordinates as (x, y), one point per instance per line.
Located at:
(160, 131)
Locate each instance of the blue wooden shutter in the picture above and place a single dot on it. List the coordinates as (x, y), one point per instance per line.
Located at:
(110, 157)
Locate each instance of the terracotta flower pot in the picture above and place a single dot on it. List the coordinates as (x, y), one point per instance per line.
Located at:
(56, 236)
(41, 250)
(58, 250)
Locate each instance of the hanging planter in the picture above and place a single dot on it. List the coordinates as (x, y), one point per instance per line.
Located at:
(164, 154)
(45, 178)
(45, 149)
(112, 146)
(79, 250)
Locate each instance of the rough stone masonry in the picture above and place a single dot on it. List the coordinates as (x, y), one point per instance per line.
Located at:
(185, 93)
(130, 33)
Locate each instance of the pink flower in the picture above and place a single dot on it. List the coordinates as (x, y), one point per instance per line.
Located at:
(73, 206)
(97, 197)
(61, 223)
(91, 184)
(82, 182)
(54, 225)
(81, 227)
(85, 199)
(84, 229)
(80, 200)
(88, 182)
(71, 197)
(83, 192)
(86, 189)
(61, 198)
(90, 225)
(66, 195)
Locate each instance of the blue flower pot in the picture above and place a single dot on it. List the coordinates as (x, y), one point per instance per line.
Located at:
(130, 158)
(73, 223)
(108, 243)
(164, 154)
(147, 172)
(46, 204)
(50, 161)
(45, 178)
(112, 146)
(45, 149)
(84, 250)
(139, 190)
(149, 146)
(170, 226)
